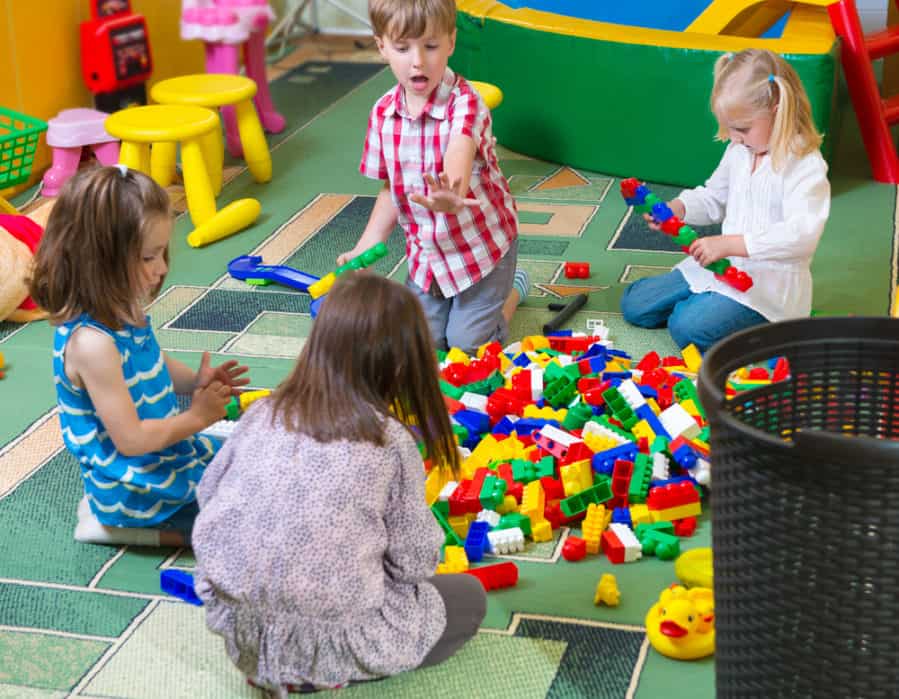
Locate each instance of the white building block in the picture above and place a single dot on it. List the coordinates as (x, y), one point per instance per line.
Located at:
(506, 540)
(633, 550)
(678, 422)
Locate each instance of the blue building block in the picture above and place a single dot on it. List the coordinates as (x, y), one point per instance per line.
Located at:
(505, 426)
(604, 461)
(645, 412)
(476, 422)
(180, 584)
(622, 515)
(477, 543)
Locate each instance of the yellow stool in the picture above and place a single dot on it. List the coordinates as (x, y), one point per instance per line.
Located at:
(192, 127)
(220, 90)
(491, 94)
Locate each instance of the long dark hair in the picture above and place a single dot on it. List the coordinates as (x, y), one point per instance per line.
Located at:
(88, 258)
(369, 355)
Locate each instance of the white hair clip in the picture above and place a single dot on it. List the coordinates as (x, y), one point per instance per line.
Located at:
(123, 169)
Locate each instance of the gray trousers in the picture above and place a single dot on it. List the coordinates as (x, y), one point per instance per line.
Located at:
(475, 316)
(466, 604)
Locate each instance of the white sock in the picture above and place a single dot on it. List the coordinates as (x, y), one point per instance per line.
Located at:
(90, 531)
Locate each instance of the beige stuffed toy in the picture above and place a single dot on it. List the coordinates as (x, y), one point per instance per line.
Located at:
(19, 237)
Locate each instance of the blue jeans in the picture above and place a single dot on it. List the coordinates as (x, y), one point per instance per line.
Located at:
(701, 319)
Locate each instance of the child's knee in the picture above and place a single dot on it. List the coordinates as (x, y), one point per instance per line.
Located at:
(634, 307)
(468, 336)
(686, 330)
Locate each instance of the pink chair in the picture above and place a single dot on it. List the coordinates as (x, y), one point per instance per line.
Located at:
(68, 134)
(224, 26)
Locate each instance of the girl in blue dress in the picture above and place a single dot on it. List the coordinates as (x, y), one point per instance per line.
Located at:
(103, 256)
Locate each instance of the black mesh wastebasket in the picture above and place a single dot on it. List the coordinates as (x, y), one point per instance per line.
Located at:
(805, 511)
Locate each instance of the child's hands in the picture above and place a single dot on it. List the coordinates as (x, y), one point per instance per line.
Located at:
(209, 402)
(708, 250)
(226, 374)
(444, 197)
(677, 208)
(345, 257)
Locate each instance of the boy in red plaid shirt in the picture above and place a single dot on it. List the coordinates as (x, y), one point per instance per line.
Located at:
(430, 140)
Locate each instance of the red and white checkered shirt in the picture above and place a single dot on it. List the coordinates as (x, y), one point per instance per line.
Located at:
(458, 250)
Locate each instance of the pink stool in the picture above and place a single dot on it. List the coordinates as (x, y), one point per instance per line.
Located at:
(68, 133)
(225, 26)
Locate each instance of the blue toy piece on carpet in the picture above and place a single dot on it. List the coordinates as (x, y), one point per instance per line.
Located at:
(249, 268)
(180, 584)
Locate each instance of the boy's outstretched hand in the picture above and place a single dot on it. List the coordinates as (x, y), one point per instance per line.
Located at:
(443, 197)
(228, 374)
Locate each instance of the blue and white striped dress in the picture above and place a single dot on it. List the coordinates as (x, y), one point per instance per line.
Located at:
(129, 491)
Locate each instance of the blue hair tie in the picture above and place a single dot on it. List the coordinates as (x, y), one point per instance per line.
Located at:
(770, 77)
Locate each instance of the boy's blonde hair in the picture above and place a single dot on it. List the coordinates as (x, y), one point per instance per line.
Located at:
(755, 82)
(409, 19)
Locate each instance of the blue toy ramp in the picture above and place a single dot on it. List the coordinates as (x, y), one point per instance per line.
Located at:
(249, 268)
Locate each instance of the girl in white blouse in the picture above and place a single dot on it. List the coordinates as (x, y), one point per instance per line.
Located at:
(771, 196)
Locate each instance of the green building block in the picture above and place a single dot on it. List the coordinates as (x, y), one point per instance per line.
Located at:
(685, 236)
(604, 421)
(577, 416)
(449, 390)
(642, 475)
(685, 390)
(492, 492)
(559, 392)
(659, 444)
(524, 471)
(579, 502)
(452, 539)
(620, 408)
(515, 519)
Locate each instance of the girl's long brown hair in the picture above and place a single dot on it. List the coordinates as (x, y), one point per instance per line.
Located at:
(369, 355)
(88, 257)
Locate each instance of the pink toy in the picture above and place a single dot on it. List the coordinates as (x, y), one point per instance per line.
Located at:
(68, 133)
(225, 25)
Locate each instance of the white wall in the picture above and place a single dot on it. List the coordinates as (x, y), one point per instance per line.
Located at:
(873, 14)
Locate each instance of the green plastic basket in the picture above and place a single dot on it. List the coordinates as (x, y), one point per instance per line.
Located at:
(19, 135)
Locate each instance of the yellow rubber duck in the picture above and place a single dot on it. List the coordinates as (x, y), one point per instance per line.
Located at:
(681, 625)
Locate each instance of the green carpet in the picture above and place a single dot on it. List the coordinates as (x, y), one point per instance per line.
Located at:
(90, 621)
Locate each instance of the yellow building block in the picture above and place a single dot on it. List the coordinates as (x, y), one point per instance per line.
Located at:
(545, 413)
(510, 504)
(595, 523)
(640, 515)
(460, 523)
(457, 356)
(651, 402)
(599, 442)
(247, 398)
(533, 501)
(607, 591)
(692, 357)
(576, 477)
(437, 478)
(455, 560)
(672, 513)
(541, 531)
(642, 429)
(322, 286)
(690, 406)
(534, 342)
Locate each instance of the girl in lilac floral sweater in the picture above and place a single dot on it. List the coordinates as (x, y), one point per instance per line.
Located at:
(315, 547)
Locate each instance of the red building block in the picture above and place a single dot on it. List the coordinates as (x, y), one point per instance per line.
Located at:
(577, 270)
(612, 547)
(552, 488)
(672, 495)
(574, 548)
(651, 360)
(494, 577)
(685, 526)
